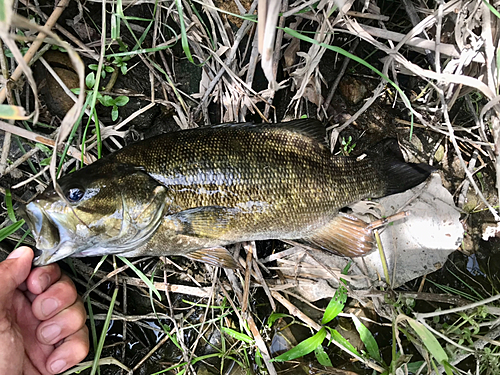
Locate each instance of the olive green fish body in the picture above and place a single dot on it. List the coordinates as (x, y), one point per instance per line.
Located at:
(239, 183)
(204, 188)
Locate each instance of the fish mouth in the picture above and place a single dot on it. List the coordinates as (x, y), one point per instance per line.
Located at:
(52, 241)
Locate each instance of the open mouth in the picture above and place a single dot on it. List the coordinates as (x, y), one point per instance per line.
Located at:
(41, 225)
(47, 234)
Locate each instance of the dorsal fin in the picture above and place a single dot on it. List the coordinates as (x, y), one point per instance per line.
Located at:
(309, 127)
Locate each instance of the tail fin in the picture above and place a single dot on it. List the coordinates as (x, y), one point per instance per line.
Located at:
(401, 176)
(397, 174)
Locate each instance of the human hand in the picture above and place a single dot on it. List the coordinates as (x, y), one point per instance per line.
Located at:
(42, 319)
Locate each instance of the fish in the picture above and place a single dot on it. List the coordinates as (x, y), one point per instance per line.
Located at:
(193, 192)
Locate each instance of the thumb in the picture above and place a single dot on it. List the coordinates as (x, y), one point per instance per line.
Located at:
(14, 271)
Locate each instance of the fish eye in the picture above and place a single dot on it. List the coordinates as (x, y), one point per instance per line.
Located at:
(75, 194)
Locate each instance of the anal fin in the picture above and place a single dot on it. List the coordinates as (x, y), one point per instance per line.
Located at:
(344, 235)
(215, 256)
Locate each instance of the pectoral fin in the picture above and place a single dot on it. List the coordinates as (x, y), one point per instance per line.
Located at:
(215, 256)
(344, 235)
(207, 222)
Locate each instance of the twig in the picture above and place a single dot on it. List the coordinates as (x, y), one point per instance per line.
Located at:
(465, 187)
(421, 316)
(368, 16)
(415, 20)
(28, 180)
(74, 152)
(383, 259)
(259, 342)
(249, 247)
(417, 43)
(151, 352)
(276, 58)
(21, 160)
(51, 21)
(8, 136)
(84, 49)
(341, 73)
(262, 281)
(459, 154)
(102, 362)
(173, 288)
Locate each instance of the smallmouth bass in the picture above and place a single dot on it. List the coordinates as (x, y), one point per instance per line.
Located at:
(194, 191)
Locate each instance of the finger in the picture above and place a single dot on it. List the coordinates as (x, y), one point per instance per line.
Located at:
(56, 298)
(13, 271)
(41, 278)
(62, 325)
(71, 352)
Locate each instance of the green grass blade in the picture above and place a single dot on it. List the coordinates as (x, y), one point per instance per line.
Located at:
(141, 276)
(8, 204)
(491, 8)
(447, 368)
(21, 240)
(367, 338)
(165, 327)
(237, 335)
(414, 366)
(336, 336)
(184, 39)
(429, 340)
(23, 150)
(275, 316)
(104, 332)
(207, 29)
(7, 231)
(197, 359)
(336, 305)
(322, 357)
(304, 347)
(93, 330)
(454, 291)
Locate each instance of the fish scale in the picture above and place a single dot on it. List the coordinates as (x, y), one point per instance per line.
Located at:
(193, 191)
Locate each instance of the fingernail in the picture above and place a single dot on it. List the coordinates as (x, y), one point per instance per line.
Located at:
(49, 333)
(49, 306)
(58, 366)
(44, 281)
(17, 253)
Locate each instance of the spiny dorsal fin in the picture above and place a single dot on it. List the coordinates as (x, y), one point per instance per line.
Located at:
(344, 235)
(215, 256)
(309, 127)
